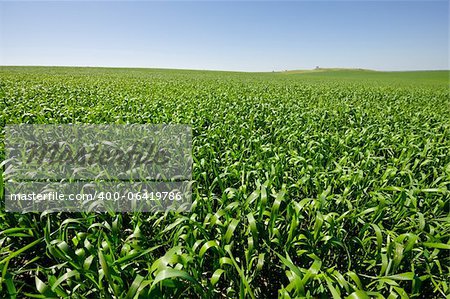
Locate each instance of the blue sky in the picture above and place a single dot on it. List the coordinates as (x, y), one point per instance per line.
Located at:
(245, 36)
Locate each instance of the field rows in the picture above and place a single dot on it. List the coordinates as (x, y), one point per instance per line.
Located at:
(313, 187)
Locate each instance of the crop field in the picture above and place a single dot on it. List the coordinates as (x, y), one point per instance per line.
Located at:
(327, 184)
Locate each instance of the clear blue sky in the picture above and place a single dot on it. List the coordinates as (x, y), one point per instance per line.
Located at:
(248, 36)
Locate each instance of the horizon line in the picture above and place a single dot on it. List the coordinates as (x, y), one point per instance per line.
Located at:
(231, 71)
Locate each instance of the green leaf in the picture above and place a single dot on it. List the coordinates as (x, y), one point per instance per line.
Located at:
(206, 246)
(437, 245)
(170, 274)
(64, 278)
(402, 276)
(231, 227)
(216, 276)
(23, 249)
(358, 295)
(134, 286)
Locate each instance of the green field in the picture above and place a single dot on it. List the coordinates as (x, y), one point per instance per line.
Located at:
(318, 184)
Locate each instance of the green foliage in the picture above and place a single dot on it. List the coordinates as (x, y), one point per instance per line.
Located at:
(304, 187)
